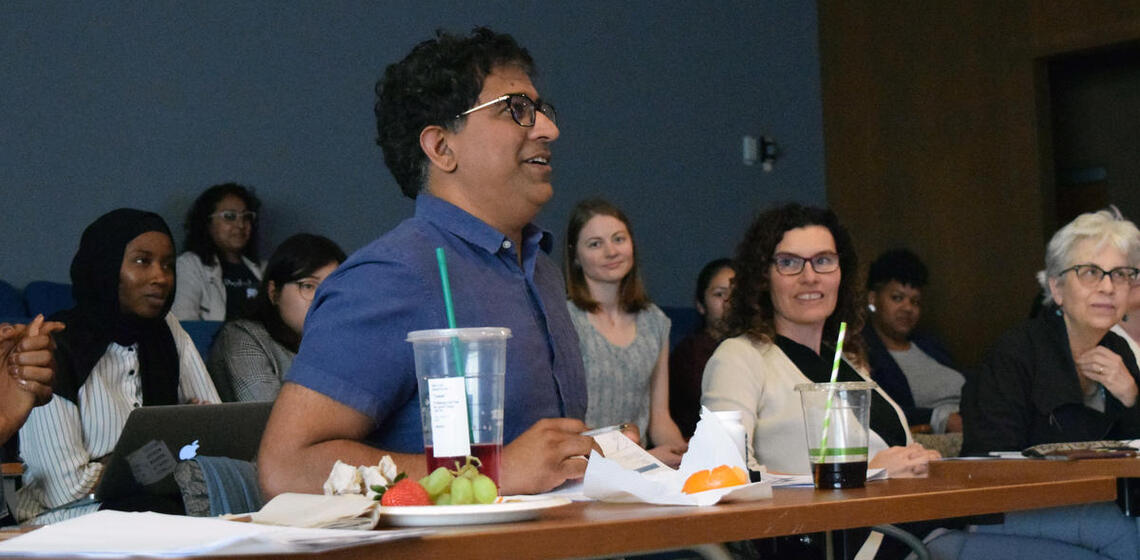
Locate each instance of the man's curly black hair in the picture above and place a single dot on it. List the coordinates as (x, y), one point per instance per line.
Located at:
(439, 79)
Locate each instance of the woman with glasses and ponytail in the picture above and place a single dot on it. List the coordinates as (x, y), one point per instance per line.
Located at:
(250, 356)
(218, 275)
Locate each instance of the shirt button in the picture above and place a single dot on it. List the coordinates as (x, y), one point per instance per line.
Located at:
(136, 405)
(507, 244)
(132, 372)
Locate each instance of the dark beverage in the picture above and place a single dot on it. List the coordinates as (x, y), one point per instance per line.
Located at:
(488, 454)
(839, 475)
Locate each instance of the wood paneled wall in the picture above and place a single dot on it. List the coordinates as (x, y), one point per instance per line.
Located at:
(936, 138)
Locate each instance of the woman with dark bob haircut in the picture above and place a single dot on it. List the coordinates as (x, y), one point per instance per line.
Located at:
(218, 275)
(795, 282)
(624, 338)
(250, 356)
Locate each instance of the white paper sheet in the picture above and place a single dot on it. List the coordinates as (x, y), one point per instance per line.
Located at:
(611, 480)
(348, 511)
(116, 534)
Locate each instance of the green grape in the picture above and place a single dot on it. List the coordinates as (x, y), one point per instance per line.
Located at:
(461, 492)
(484, 488)
(443, 499)
(437, 482)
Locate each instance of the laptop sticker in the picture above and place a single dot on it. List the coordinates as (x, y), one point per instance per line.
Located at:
(151, 462)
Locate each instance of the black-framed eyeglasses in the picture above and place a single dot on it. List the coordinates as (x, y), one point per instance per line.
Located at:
(522, 109)
(1091, 274)
(788, 264)
(232, 216)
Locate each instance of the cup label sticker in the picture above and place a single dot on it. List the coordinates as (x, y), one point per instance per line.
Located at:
(449, 428)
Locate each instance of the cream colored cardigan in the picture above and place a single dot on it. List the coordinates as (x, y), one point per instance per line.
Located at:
(759, 380)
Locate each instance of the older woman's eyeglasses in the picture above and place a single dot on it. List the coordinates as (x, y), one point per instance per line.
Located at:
(788, 264)
(1091, 274)
(306, 288)
(233, 216)
(522, 109)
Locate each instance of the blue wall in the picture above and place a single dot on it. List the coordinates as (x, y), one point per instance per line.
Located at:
(146, 103)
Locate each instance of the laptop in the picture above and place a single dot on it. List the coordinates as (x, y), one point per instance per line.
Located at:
(156, 438)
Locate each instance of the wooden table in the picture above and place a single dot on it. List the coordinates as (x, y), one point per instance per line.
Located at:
(954, 489)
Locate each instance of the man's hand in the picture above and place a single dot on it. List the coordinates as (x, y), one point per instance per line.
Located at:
(29, 360)
(27, 369)
(546, 455)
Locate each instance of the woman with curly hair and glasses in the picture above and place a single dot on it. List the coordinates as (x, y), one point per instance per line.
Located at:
(218, 275)
(795, 282)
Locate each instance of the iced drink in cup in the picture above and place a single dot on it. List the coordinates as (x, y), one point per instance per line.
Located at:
(461, 375)
(838, 442)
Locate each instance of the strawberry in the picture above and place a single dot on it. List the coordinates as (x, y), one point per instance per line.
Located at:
(406, 492)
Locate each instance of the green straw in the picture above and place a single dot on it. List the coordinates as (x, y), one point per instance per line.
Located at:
(442, 260)
(831, 390)
(456, 356)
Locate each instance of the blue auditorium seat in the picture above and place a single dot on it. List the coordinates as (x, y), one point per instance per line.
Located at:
(12, 308)
(46, 297)
(202, 333)
(686, 320)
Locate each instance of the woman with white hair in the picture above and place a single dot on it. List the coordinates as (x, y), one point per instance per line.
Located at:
(1060, 377)
(1064, 376)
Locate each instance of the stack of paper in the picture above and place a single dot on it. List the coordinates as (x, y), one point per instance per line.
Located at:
(106, 534)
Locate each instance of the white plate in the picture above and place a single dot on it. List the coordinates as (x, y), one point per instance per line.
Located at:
(429, 516)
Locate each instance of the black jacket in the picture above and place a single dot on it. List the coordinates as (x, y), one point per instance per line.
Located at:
(1027, 392)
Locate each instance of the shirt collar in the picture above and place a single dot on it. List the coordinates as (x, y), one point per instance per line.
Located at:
(462, 224)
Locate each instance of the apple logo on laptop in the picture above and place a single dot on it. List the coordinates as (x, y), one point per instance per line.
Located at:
(188, 451)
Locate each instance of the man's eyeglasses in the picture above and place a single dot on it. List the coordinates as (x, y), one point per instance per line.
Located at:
(788, 264)
(1091, 274)
(232, 216)
(306, 288)
(522, 109)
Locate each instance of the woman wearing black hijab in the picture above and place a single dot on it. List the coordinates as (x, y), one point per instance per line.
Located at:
(121, 350)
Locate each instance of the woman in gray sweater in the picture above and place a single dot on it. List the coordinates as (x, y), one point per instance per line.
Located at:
(250, 357)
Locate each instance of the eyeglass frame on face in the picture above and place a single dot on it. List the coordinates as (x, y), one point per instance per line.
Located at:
(802, 263)
(303, 287)
(232, 216)
(1133, 274)
(536, 107)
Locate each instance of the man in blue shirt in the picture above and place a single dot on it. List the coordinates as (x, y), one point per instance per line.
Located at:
(466, 135)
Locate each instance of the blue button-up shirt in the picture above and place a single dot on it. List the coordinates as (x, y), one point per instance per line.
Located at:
(354, 347)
